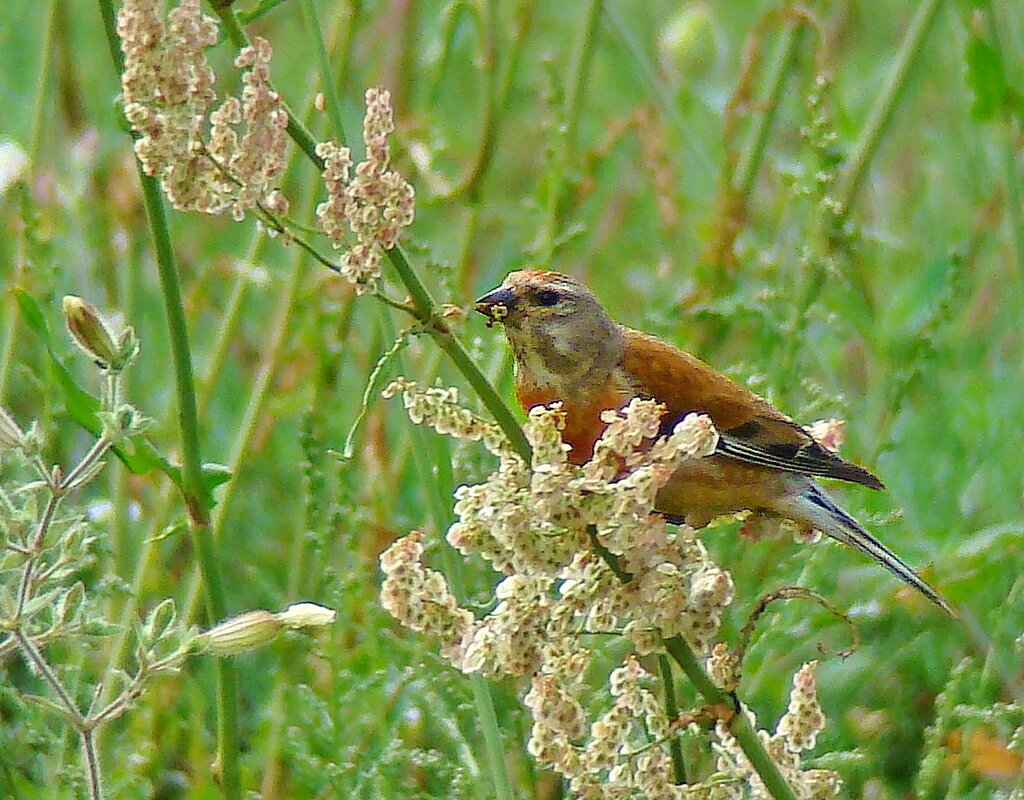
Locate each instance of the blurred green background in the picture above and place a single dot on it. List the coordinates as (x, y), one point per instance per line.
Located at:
(685, 159)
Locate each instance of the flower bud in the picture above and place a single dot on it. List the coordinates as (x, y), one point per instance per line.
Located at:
(306, 615)
(90, 332)
(242, 634)
(11, 436)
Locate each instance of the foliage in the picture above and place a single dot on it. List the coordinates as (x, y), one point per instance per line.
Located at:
(824, 200)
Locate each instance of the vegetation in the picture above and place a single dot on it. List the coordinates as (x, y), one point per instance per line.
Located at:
(823, 200)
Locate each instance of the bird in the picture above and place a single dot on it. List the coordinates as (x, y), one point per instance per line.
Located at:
(566, 348)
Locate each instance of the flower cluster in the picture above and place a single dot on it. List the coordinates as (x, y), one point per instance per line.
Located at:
(168, 88)
(374, 205)
(795, 733)
(541, 526)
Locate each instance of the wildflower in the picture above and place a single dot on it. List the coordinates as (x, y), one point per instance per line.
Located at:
(419, 598)
(828, 433)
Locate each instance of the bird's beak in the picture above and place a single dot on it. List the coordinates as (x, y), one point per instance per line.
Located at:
(496, 304)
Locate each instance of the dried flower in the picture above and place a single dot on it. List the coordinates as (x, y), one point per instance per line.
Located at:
(419, 598)
(199, 157)
(804, 719)
(532, 522)
(828, 433)
(374, 205)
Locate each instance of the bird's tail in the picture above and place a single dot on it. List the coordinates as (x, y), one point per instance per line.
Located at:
(814, 507)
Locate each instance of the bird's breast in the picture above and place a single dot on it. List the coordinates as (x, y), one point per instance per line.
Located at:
(583, 425)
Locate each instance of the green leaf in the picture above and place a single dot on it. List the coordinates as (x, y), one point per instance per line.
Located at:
(138, 455)
(215, 474)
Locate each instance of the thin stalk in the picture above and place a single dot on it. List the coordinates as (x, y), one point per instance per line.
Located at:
(92, 764)
(656, 88)
(737, 721)
(910, 48)
(426, 309)
(1013, 193)
(255, 407)
(324, 70)
(439, 487)
(9, 336)
(750, 162)
(672, 710)
(196, 495)
(579, 67)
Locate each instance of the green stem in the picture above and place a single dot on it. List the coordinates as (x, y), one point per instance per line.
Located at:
(324, 70)
(738, 723)
(910, 48)
(196, 495)
(1013, 194)
(439, 487)
(424, 304)
(300, 135)
(578, 69)
(729, 703)
(9, 336)
(750, 163)
(672, 710)
(656, 87)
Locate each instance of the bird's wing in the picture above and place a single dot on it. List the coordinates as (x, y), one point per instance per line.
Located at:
(750, 428)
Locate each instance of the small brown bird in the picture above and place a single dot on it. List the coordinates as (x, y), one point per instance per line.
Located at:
(568, 349)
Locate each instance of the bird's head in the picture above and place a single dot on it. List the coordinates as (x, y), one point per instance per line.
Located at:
(558, 330)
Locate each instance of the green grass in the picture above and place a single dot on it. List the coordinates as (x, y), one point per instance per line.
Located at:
(908, 324)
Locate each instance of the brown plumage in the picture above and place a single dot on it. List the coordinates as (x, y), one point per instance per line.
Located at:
(568, 349)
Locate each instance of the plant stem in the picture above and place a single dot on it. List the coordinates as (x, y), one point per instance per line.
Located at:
(910, 48)
(9, 334)
(426, 308)
(439, 489)
(92, 765)
(656, 87)
(737, 723)
(672, 710)
(579, 65)
(196, 495)
(727, 702)
(750, 162)
(1013, 194)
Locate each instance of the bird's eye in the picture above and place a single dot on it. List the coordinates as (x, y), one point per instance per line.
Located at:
(547, 297)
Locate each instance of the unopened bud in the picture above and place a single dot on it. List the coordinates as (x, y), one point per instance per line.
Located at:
(11, 436)
(242, 634)
(307, 615)
(90, 332)
(254, 629)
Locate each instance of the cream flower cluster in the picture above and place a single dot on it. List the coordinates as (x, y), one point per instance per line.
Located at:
(168, 89)
(796, 732)
(557, 595)
(374, 205)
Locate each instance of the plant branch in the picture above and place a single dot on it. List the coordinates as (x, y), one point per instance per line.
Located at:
(727, 703)
(198, 499)
(672, 710)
